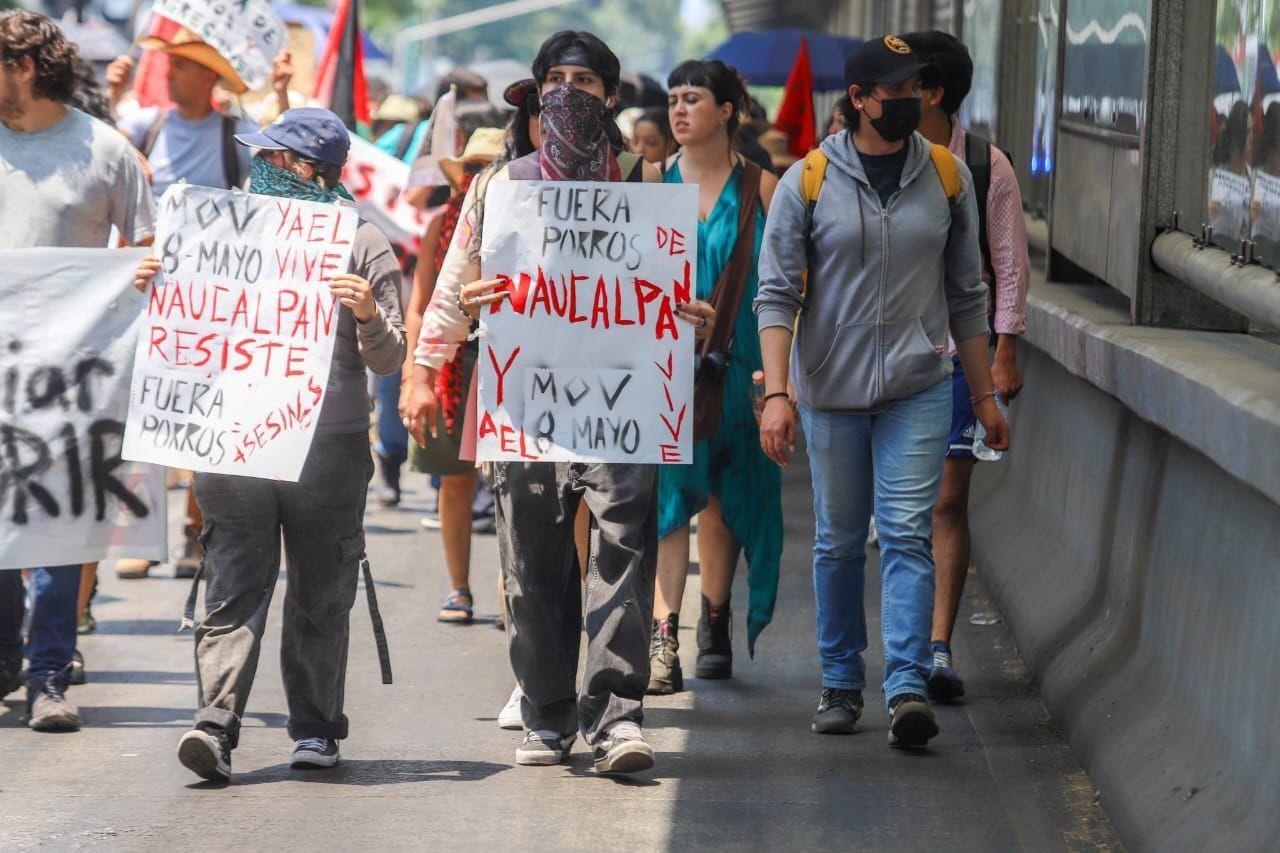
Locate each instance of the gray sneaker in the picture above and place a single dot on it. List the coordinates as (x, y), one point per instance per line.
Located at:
(543, 748)
(913, 723)
(48, 709)
(315, 752)
(623, 750)
(206, 752)
(838, 712)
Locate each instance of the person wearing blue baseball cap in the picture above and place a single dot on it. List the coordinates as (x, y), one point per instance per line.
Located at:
(321, 517)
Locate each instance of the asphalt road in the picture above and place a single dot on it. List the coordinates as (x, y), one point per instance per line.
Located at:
(426, 767)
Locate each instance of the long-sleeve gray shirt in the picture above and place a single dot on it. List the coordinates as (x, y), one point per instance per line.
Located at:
(885, 281)
(378, 345)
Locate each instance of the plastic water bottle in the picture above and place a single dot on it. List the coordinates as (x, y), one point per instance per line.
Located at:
(757, 394)
(980, 449)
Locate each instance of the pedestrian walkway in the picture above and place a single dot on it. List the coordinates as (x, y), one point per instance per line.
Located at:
(427, 768)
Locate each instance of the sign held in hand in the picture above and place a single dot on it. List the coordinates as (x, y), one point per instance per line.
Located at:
(587, 360)
(233, 360)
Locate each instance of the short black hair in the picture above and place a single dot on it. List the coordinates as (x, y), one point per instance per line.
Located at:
(602, 60)
(724, 82)
(25, 34)
(660, 119)
(953, 63)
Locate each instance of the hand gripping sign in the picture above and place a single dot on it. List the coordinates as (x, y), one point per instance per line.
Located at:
(70, 322)
(234, 354)
(587, 360)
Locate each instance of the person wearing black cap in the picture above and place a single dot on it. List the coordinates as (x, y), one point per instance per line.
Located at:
(321, 517)
(871, 374)
(578, 78)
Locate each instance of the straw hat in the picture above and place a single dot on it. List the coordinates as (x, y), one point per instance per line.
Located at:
(190, 46)
(484, 146)
(397, 108)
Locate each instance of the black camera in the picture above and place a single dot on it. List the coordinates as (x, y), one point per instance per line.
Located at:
(712, 366)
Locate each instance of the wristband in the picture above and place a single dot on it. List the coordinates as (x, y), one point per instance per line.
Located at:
(975, 400)
(768, 397)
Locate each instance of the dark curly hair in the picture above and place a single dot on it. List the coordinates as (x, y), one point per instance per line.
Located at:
(25, 34)
(88, 96)
(954, 65)
(724, 81)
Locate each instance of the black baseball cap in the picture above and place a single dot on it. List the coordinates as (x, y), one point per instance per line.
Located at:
(313, 132)
(885, 60)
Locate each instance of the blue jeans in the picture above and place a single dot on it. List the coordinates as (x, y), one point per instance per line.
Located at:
(896, 453)
(53, 619)
(393, 438)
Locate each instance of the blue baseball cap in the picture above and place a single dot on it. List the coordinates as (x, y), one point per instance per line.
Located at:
(313, 132)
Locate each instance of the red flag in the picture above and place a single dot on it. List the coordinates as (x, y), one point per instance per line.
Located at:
(795, 116)
(340, 76)
(151, 77)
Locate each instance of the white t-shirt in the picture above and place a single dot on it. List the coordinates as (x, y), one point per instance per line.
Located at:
(69, 184)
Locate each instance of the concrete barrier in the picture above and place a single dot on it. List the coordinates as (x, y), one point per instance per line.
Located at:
(1142, 583)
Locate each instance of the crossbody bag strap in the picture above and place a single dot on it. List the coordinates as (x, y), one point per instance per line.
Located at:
(153, 133)
(230, 154)
(727, 295)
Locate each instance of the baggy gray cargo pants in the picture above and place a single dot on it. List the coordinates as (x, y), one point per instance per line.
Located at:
(536, 505)
(321, 518)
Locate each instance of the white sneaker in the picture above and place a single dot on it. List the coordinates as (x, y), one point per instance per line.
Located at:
(873, 538)
(510, 717)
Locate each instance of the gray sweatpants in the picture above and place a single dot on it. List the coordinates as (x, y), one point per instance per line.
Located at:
(321, 518)
(536, 505)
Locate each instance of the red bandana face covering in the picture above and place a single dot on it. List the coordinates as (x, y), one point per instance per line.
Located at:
(575, 144)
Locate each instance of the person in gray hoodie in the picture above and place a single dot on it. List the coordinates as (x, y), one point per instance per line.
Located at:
(869, 276)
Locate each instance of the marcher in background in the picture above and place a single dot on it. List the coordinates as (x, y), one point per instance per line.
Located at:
(320, 517)
(66, 179)
(398, 127)
(537, 502)
(875, 236)
(652, 139)
(193, 143)
(439, 455)
(1002, 235)
(732, 487)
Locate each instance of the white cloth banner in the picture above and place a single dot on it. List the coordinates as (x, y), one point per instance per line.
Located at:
(586, 360)
(237, 339)
(377, 182)
(248, 33)
(69, 321)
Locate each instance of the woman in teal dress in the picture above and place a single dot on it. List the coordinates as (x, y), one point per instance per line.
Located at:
(732, 487)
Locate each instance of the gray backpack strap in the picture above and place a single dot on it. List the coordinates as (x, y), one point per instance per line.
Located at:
(153, 133)
(230, 154)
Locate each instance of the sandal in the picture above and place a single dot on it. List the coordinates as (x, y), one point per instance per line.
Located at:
(454, 610)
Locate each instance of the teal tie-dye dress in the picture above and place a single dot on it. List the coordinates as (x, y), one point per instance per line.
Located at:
(730, 464)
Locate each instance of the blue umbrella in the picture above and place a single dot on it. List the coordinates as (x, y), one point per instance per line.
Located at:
(765, 58)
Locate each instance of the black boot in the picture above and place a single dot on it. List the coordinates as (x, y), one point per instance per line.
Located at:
(389, 493)
(715, 646)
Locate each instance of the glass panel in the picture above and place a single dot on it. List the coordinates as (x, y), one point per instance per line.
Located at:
(1244, 128)
(1043, 121)
(1265, 210)
(1103, 63)
(980, 31)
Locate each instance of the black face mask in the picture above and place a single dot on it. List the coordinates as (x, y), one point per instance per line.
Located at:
(899, 118)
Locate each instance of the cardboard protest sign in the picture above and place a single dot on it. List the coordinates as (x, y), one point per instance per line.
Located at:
(377, 181)
(587, 360)
(248, 33)
(71, 319)
(233, 359)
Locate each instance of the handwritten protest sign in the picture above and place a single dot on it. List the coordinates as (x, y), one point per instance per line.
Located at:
(587, 360)
(377, 181)
(233, 359)
(248, 33)
(71, 319)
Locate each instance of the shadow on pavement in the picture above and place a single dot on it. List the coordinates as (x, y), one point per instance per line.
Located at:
(156, 627)
(128, 716)
(372, 772)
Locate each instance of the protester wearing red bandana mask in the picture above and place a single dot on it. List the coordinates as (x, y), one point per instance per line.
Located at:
(578, 78)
